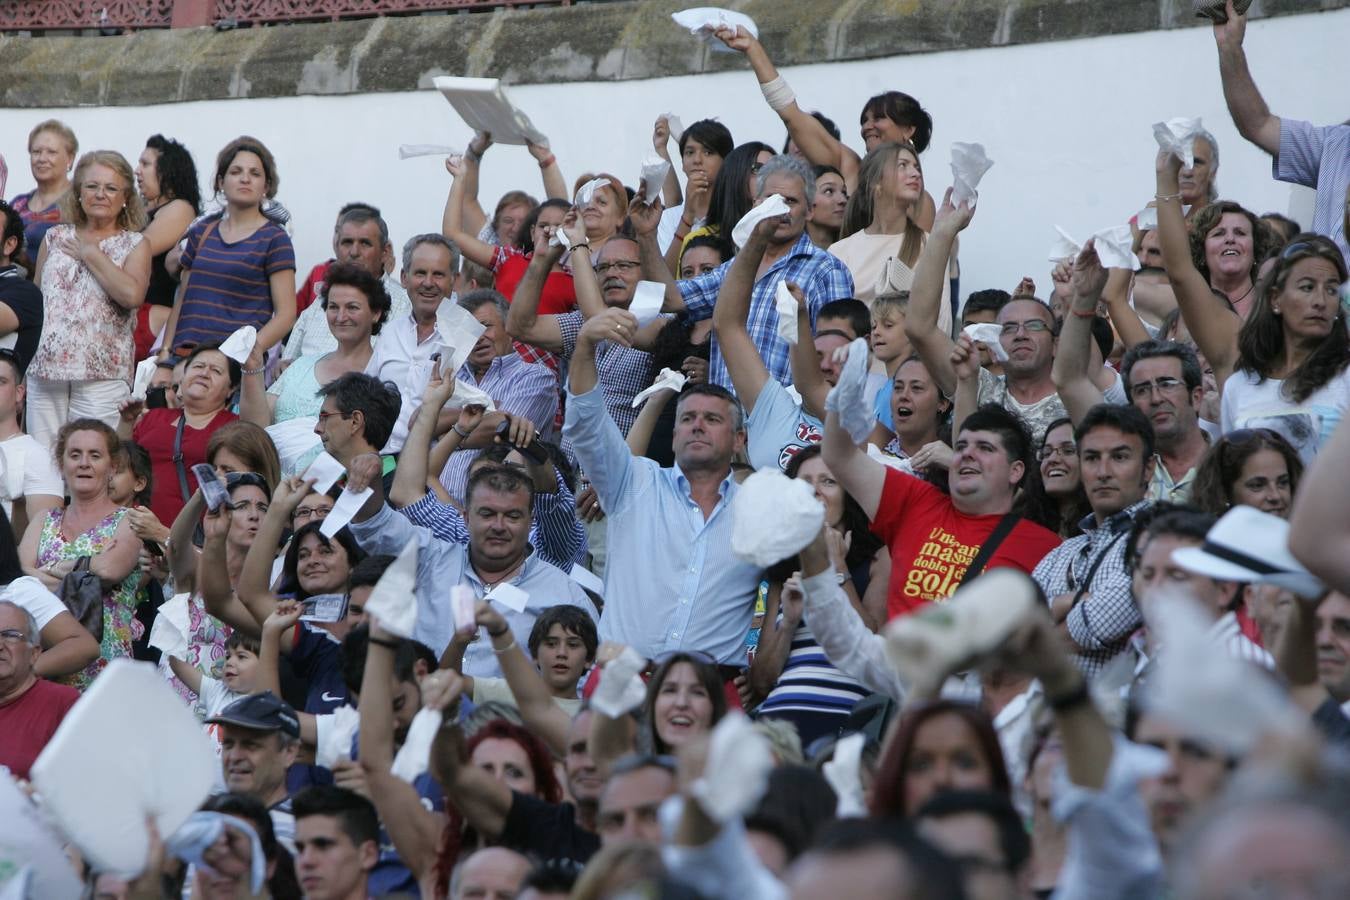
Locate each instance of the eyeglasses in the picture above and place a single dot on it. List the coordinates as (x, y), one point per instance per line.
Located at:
(13, 636)
(620, 265)
(1067, 450)
(317, 512)
(324, 416)
(1142, 389)
(111, 190)
(1034, 326)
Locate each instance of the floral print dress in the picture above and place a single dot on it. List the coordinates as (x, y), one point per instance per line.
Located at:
(206, 649)
(120, 626)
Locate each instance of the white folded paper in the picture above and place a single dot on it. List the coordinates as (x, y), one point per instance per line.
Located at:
(102, 808)
(408, 151)
(585, 577)
(773, 517)
(294, 439)
(737, 771)
(335, 732)
(33, 860)
(987, 333)
(346, 507)
(654, 171)
(462, 608)
(675, 125)
(413, 756)
(325, 470)
(786, 306)
(393, 600)
(968, 166)
(1115, 247)
(648, 299)
(459, 332)
(702, 21)
(848, 397)
(586, 192)
(173, 626)
(621, 689)
(240, 344)
(890, 462)
(145, 373)
(842, 774)
(483, 105)
(1147, 220)
(510, 596)
(1177, 136)
(668, 380)
(772, 205)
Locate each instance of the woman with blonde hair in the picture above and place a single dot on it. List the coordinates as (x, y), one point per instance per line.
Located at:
(51, 152)
(93, 273)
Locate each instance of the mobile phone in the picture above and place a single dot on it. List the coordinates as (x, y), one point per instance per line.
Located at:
(152, 547)
(157, 398)
(534, 453)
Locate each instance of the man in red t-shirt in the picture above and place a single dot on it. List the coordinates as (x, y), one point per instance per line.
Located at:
(935, 537)
(30, 707)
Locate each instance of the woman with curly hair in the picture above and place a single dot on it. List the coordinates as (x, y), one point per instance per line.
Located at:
(166, 177)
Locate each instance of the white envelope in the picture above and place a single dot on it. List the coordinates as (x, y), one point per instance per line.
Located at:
(510, 596)
(668, 380)
(702, 21)
(483, 105)
(621, 688)
(773, 517)
(737, 772)
(102, 808)
(173, 626)
(654, 171)
(393, 600)
(586, 578)
(773, 205)
(968, 166)
(987, 333)
(1177, 136)
(413, 756)
(145, 373)
(408, 151)
(334, 733)
(343, 511)
(240, 344)
(648, 299)
(786, 306)
(325, 470)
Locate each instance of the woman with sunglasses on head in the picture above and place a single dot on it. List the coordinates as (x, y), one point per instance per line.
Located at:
(1248, 467)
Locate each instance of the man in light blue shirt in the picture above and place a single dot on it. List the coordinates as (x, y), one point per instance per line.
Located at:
(671, 580)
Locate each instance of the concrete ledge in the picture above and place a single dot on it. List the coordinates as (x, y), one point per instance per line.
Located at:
(606, 41)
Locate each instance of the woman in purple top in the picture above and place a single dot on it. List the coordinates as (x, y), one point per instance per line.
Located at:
(51, 154)
(239, 266)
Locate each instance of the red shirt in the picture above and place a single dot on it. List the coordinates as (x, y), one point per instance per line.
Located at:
(558, 296)
(313, 286)
(155, 432)
(28, 722)
(932, 543)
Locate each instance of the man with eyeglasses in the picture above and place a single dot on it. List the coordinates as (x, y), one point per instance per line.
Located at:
(356, 418)
(31, 708)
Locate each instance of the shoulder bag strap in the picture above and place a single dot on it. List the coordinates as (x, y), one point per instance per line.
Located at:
(178, 457)
(1096, 564)
(1001, 530)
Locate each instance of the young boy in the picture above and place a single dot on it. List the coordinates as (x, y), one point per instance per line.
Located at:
(237, 678)
(890, 348)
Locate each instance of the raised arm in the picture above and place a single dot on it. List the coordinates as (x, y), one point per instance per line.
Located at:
(255, 404)
(484, 801)
(965, 362)
(1213, 325)
(1073, 354)
(670, 188)
(182, 554)
(539, 712)
(744, 364)
(640, 432)
(214, 579)
(555, 186)
(453, 224)
(1253, 118)
(410, 476)
(805, 361)
(255, 590)
(925, 294)
(859, 476)
(646, 216)
(1319, 533)
(523, 321)
(1126, 321)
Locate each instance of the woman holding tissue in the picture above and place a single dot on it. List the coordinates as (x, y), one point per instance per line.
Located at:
(94, 528)
(93, 274)
(239, 265)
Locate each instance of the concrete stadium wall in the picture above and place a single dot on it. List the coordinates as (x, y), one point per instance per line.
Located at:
(1066, 120)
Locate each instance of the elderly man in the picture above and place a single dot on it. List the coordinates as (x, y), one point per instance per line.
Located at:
(361, 237)
(259, 739)
(790, 256)
(493, 873)
(31, 708)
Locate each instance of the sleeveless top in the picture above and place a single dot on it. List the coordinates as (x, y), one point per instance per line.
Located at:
(162, 285)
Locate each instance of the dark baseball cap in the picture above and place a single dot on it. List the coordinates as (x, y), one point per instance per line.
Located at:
(260, 712)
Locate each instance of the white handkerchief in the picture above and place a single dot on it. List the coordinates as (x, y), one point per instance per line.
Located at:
(842, 774)
(32, 854)
(240, 344)
(786, 305)
(1114, 247)
(621, 688)
(172, 627)
(559, 238)
(668, 380)
(459, 332)
(325, 470)
(510, 596)
(470, 395)
(1147, 220)
(1177, 136)
(737, 771)
(648, 299)
(413, 756)
(335, 731)
(773, 517)
(587, 191)
(145, 373)
(968, 166)
(102, 808)
(987, 333)
(343, 511)
(849, 397)
(586, 578)
(890, 462)
(294, 439)
(408, 151)
(483, 105)
(393, 600)
(1064, 247)
(654, 170)
(675, 125)
(462, 608)
(702, 21)
(773, 205)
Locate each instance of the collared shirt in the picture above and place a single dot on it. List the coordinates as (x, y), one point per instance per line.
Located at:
(555, 531)
(401, 358)
(528, 390)
(821, 277)
(1106, 615)
(442, 565)
(1318, 158)
(671, 580)
(1162, 487)
(311, 335)
(623, 371)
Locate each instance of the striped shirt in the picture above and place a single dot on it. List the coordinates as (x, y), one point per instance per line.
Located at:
(1318, 158)
(810, 690)
(230, 285)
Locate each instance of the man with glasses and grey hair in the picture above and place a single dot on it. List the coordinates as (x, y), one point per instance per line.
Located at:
(31, 708)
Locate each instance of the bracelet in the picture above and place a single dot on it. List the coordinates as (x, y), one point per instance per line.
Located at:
(1085, 313)
(497, 634)
(1163, 198)
(1075, 697)
(253, 371)
(455, 428)
(547, 161)
(385, 642)
(586, 243)
(509, 646)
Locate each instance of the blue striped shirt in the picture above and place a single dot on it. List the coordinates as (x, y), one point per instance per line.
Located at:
(1318, 158)
(230, 285)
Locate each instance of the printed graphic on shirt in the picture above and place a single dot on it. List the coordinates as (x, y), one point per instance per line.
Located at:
(806, 435)
(939, 566)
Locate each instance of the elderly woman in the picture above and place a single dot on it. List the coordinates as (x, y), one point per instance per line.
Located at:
(93, 273)
(176, 439)
(167, 180)
(51, 152)
(1199, 183)
(239, 265)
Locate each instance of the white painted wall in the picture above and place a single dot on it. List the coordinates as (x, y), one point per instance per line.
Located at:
(1067, 123)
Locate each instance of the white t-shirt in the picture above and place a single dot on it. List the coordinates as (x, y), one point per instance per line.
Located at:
(32, 595)
(1250, 403)
(27, 468)
(214, 696)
